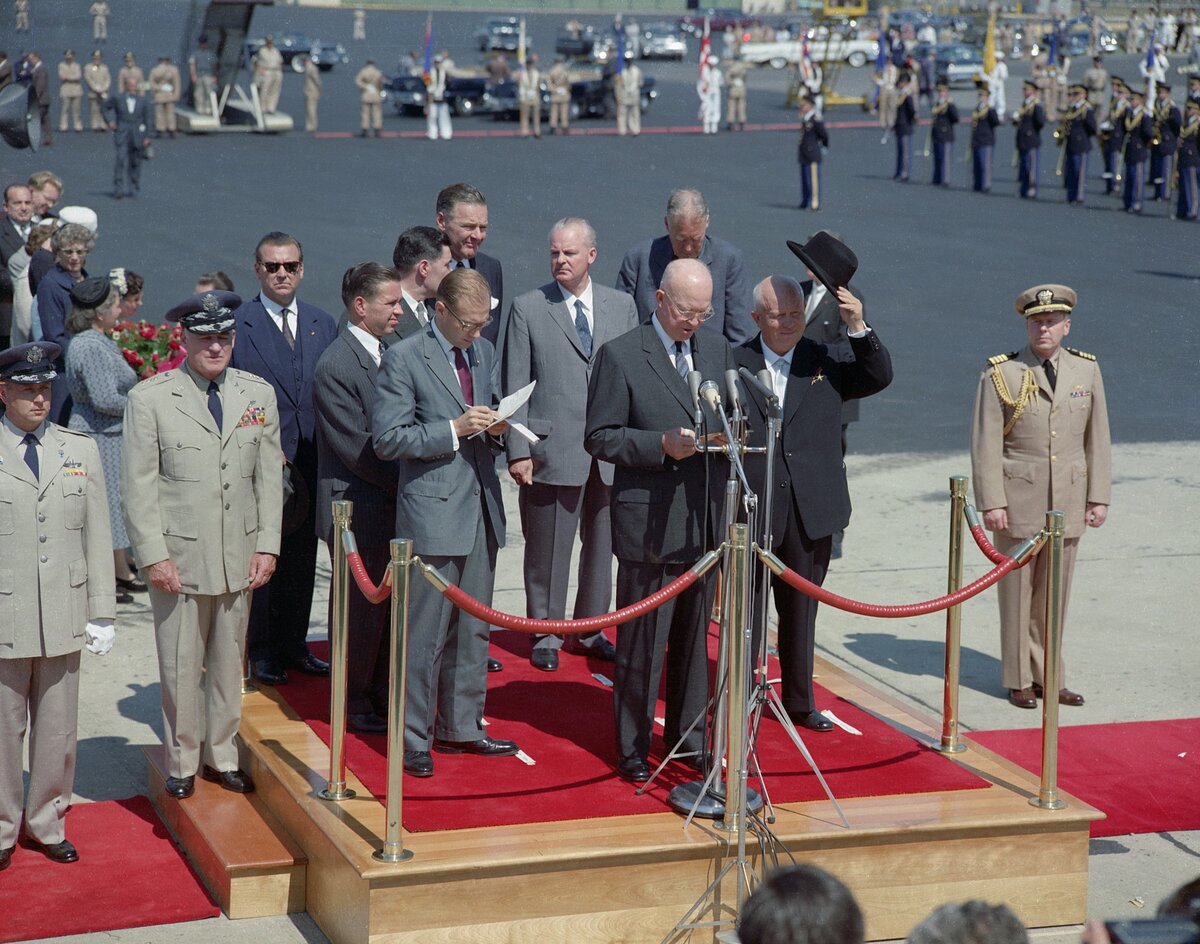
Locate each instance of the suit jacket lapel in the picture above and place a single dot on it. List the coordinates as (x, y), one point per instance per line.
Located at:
(661, 364)
(234, 401)
(806, 368)
(565, 318)
(54, 456)
(12, 462)
(1032, 361)
(191, 403)
(268, 341)
(435, 357)
(758, 363)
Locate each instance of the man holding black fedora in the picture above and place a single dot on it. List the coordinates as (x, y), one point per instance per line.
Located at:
(812, 500)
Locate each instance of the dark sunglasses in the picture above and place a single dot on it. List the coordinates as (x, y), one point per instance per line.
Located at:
(291, 267)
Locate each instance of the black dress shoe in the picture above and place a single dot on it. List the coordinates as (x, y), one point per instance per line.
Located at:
(232, 780)
(370, 723)
(55, 851)
(603, 650)
(814, 721)
(268, 672)
(495, 665)
(418, 763)
(132, 585)
(544, 659)
(486, 746)
(701, 761)
(311, 665)
(124, 598)
(181, 787)
(5, 858)
(635, 771)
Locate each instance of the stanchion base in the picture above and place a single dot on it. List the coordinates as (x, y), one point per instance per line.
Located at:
(957, 747)
(329, 793)
(402, 856)
(711, 805)
(1058, 803)
(248, 687)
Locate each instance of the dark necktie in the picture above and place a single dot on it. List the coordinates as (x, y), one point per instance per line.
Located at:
(681, 363)
(1051, 374)
(581, 325)
(214, 403)
(31, 456)
(287, 330)
(464, 376)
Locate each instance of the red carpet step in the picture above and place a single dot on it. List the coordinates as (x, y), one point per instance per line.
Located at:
(1145, 775)
(129, 875)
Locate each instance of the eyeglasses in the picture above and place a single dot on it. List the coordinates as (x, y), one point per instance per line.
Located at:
(290, 267)
(686, 315)
(468, 326)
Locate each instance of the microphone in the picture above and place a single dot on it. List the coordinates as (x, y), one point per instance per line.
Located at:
(711, 394)
(693, 380)
(731, 391)
(764, 377)
(763, 386)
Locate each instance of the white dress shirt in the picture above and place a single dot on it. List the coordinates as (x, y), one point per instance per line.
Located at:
(669, 344)
(588, 311)
(276, 314)
(371, 344)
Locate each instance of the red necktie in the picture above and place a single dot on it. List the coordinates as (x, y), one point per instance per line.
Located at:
(464, 376)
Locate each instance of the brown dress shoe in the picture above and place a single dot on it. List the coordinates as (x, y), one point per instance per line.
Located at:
(1065, 696)
(1022, 697)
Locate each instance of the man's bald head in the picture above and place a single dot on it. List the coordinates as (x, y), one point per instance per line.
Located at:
(684, 298)
(691, 272)
(779, 312)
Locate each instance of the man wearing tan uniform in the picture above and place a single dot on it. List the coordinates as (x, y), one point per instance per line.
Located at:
(370, 82)
(1039, 442)
(98, 80)
(312, 94)
(99, 11)
(70, 91)
(268, 75)
(627, 86)
(558, 81)
(735, 97)
(165, 83)
(131, 70)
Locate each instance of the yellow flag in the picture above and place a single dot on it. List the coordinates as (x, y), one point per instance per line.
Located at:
(989, 45)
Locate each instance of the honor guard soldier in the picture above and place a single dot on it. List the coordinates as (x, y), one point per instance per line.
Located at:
(1188, 159)
(57, 559)
(1112, 134)
(984, 122)
(203, 470)
(1077, 127)
(906, 121)
(813, 140)
(1167, 122)
(558, 81)
(1030, 118)
(1139, 132)
(735, 96)
(1039, 440)
(941, 133)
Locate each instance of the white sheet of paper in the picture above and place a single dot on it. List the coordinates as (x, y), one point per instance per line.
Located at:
(509, 405)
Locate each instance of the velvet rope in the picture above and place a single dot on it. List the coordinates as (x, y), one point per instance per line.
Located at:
(981, 539)
(358, 571)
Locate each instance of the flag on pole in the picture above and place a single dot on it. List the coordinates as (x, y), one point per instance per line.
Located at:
(881, 57)
(1151, 68)
(989, 45)
(427, 67)
(619, 29)
(705, 47)
(521, 44)
(1052, 47)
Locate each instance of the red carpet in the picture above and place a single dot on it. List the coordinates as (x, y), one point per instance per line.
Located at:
(1145, 775)
(129, 875)
(564, 722)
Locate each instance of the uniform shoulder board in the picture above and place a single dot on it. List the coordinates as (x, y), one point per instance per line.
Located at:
(74, 432)
(247, 377)
(1001, 358)
(1084, 354)
(162, 378)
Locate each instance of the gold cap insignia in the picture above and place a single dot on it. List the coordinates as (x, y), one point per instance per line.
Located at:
(210, 302)
(1045, 297)
(35, 355)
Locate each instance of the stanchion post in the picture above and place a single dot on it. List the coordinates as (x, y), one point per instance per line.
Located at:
(335, 787)
(1048, 798)
(393, 845)
(738, 562)
(951, 744)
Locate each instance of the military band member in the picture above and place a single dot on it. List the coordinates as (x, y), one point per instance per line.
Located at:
(1112, 134)
(166, 88)
(1188, 159)
(70, 92)
(1167, 122)
(1077, 127)
(813, 140)
(984, 122)
(202, 457)
(1039, 441)
(906, 121)
(1030, 118)
(944, 116)
(57, 557)
(370, 84)
(1139, 131)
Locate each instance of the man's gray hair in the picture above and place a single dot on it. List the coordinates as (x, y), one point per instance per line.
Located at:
(585, 228)
(970, 922)
(689, 203)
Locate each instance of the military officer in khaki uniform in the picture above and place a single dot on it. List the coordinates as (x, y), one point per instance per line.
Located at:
(370, 83)
(268, 75)
(558, 81)
(627, 86)
(131, 70)
(56, 595)
(1039, 442)
(203, 468)
(70, 92)
(98, 80)
(165, 85)
(312, 94)
(99, 11)
(735, 95)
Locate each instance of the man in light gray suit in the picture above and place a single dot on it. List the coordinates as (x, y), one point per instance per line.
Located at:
(348, 469)
(422, 258)
(553, 335)
(203, 468)
(56, 555)
(435, 393)
(687, 237)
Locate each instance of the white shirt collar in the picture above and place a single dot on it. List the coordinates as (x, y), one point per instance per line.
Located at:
(413, 304)
(370, 343)
(276, 311)
(585, 296)
(666, 339)
(18, 434)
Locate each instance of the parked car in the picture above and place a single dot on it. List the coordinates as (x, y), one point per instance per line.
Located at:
(663, 41)
(719, 20)
(957, 63)
(296, 47)
(778, 55)
(463, 93)
(502, 32)
(590, 98)
(604, 49)
(575, 45)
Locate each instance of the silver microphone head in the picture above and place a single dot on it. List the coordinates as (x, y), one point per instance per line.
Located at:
(710, 393)
(731, 390)
(765, 378)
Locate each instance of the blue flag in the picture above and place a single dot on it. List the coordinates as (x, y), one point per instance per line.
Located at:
(620, 31)
(881, 57)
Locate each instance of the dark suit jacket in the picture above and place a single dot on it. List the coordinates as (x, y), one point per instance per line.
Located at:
(661, 512)
(813, 137)
(261, 349)
(10, 242)
(39, 78)
(809, 471)
(408, 325)
(642, 271)
(347, 466)
(1029, 128)
(132, 126)
(489, 267)
(828, 328)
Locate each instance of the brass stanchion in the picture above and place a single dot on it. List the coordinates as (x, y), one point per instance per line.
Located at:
(737, 763)
(950, 740)
(335, 787)
(1048, 798)
(393, 846)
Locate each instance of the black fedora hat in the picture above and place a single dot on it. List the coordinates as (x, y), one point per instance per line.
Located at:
(828, 258)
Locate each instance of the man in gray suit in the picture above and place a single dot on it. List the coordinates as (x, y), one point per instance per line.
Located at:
(687, 238)
(435, 392)
(127, 116)
(57, 557)
(422, 259)
(202, 457)
(553, 335)
(348, 469)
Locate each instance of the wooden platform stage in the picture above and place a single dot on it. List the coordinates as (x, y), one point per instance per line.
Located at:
(628, 880)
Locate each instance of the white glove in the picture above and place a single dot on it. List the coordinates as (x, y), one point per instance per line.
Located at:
(100, 636)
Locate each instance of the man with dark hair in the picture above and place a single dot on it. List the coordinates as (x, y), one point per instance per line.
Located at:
(210, 280)
(801, 905)
(39, 80)
(281, 339)
(970, 922)
(462, 214)
(14, 231)
(348, 469)
(421, 259)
